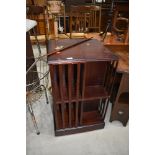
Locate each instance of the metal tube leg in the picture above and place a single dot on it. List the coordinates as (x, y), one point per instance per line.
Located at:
(37, 41)
(33, 118)
(45, 94)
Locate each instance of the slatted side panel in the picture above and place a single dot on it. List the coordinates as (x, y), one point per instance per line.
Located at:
(62, 93)
(108, 83)
(77, 94)
(55, 92)
(66, 81)
(70, 87)
(78, 22)
(111, 71)
(93, 18)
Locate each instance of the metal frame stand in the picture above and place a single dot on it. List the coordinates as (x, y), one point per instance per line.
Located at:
(109, 23)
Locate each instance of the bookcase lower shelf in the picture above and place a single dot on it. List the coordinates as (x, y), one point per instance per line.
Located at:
(91, 118)
(79, 129)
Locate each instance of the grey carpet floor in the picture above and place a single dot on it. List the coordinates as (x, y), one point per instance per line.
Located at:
(112, 140)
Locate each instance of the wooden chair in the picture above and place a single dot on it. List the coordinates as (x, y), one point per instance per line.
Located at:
(84, 19)
(121, 22)
(56, 12)
(38, 13)
(75, 107)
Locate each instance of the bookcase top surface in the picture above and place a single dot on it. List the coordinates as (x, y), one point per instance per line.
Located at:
(91, 50)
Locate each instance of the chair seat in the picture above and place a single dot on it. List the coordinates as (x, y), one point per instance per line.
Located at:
(30, 24)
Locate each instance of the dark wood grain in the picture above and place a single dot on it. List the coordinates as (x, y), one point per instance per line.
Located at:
(92, 50)
(82, 84)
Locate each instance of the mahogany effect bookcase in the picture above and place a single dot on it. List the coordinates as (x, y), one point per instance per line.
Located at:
(82, 78)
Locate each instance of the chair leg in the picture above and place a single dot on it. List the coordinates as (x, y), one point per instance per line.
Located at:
(47, 101)
(38, 45)
(33, 117)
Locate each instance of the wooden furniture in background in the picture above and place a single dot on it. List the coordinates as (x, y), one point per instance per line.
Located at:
(82, 79)
(121, 22)
(85, 19)
(121, 83)
(56, 10)
(120, 109)
(36, 2)
(39, 14)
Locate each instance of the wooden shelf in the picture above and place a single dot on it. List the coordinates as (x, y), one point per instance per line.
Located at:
(89, 118)
(91, 121)
(98, 91)
(92, 117)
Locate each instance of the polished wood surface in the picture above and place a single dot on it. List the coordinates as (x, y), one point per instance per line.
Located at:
(92, 50)
(122, 51)
(123, 54)
(82, 80)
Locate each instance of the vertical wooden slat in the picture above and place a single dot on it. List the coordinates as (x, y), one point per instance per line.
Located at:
(95, 24)
(100, 20)
(45, 29)
(105, 108)
(61, 93)
(54, 87)
(107, 74)
(64, 20)
(83, 91)
(77, 93)
(85, 21)
(56, 115)
(71, 26)
(115, 64)
(104, 78)
(54, 80)
(76, 19)
(93, 18)
(111, 76)
(80, 22)
(70, 80)
(90, 18)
